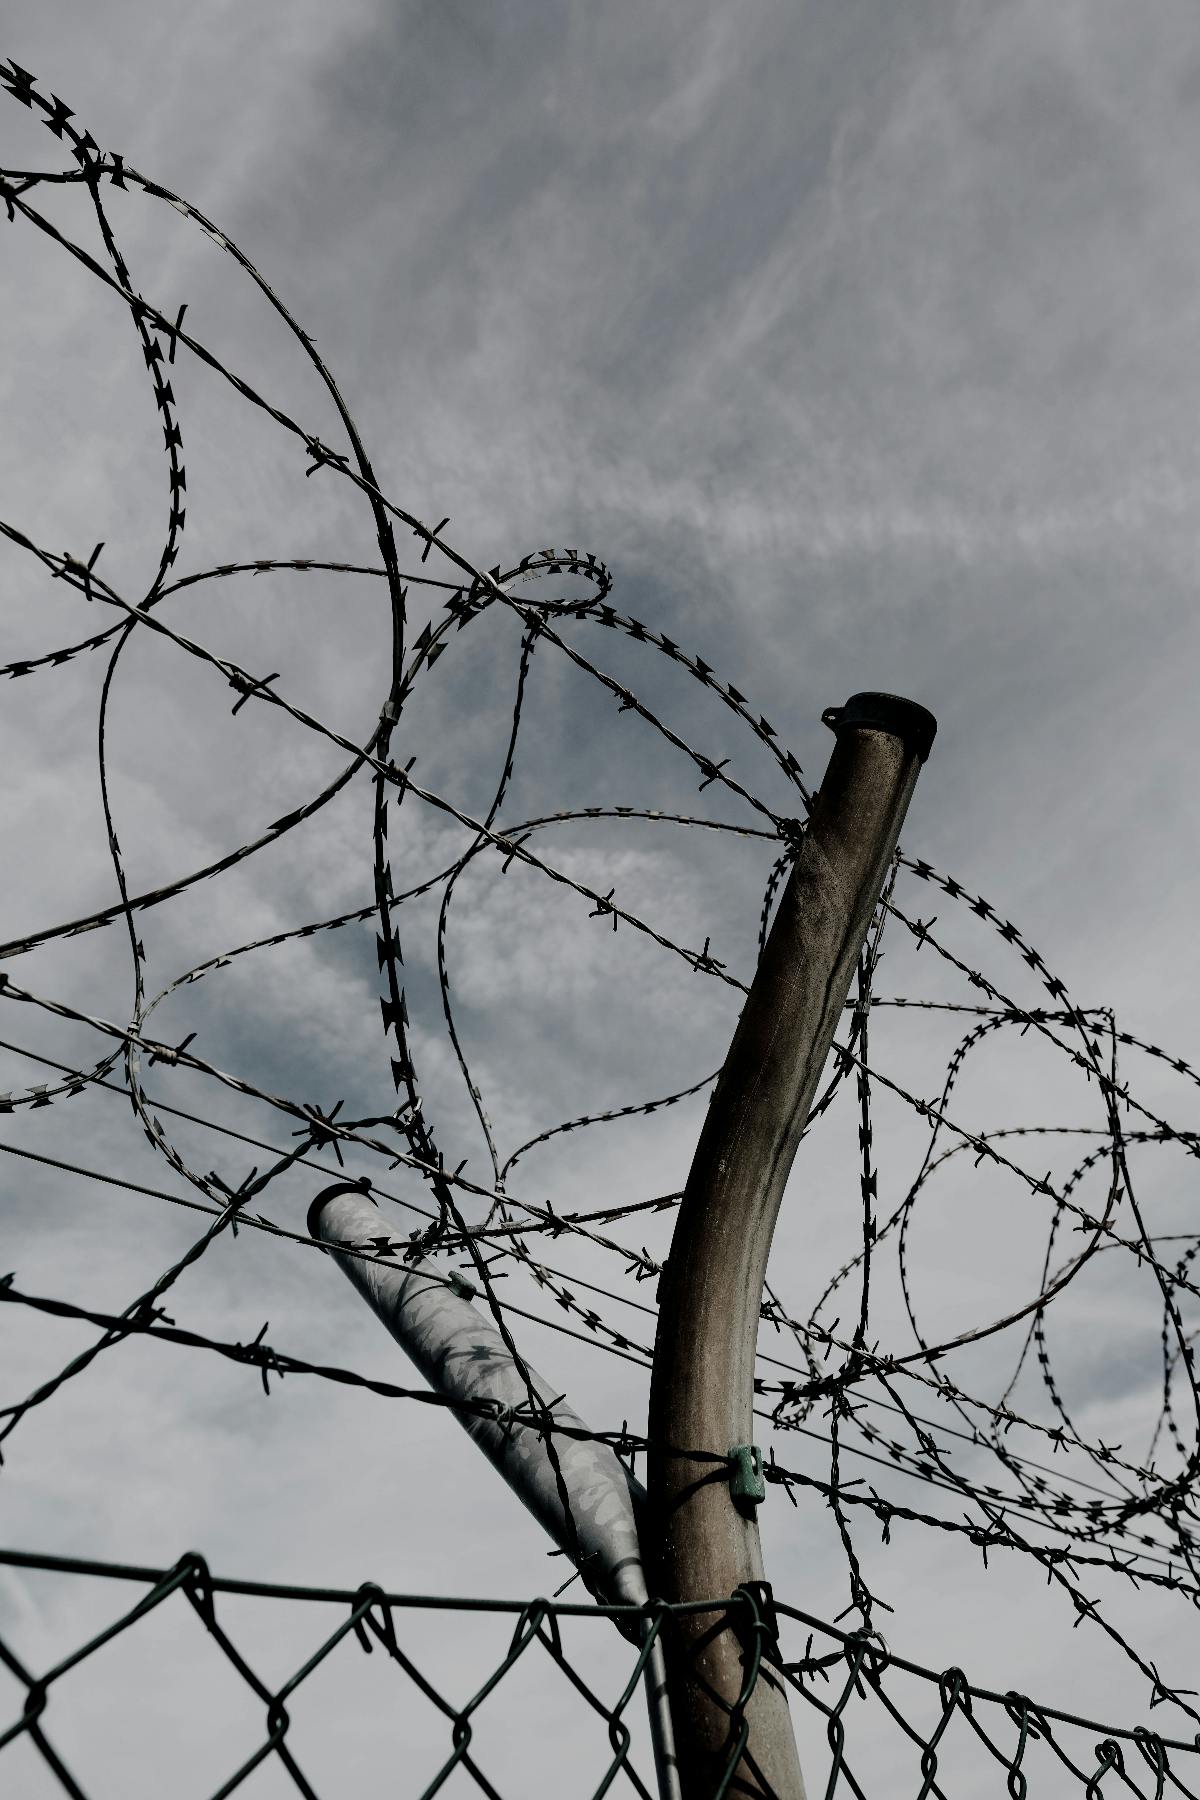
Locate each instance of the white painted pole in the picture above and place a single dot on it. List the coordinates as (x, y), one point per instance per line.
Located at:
(462, 1355)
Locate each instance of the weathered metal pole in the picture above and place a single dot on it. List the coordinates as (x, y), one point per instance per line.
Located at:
(704, 1542)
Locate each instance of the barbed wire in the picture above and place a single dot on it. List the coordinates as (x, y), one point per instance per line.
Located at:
(858, 1392)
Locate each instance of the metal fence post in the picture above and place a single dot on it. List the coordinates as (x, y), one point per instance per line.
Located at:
(704, 1543)
(462, 1355)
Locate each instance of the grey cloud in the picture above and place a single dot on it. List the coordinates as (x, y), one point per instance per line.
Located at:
(860, 342)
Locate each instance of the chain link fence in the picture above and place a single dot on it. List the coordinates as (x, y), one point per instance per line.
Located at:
(869, 1722)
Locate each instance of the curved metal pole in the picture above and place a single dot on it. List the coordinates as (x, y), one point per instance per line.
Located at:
(704, 1543)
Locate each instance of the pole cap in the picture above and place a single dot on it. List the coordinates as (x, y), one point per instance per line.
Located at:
(915, 725)
(361, 1186)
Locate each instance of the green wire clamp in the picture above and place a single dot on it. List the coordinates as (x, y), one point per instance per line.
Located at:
(458, 1284)
(746, 1483)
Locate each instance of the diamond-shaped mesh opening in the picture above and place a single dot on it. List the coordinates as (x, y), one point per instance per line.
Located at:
(573, 1681)
(131, 1708)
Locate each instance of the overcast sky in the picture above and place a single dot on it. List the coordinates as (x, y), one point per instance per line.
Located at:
(862, 343)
